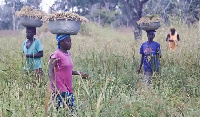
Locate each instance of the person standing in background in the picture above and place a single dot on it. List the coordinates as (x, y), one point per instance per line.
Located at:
(33, 50)
(173, 38)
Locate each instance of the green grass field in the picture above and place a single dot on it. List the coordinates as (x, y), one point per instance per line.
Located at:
(111, 58)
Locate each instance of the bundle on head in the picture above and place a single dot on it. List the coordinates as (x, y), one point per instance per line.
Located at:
(65, 16)
(30, 12)
(149, 22)
(149, 19)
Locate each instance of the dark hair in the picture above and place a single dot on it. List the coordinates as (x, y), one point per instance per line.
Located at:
(173, 29)
(33, 29)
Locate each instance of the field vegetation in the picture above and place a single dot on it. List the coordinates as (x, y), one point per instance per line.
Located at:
(111, 58)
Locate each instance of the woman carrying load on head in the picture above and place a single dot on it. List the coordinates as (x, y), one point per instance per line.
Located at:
(151, 53)
(61, 71)
(33, 50)
(173, 38)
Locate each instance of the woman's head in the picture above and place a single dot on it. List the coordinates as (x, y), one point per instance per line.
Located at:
(64, 41)
(172, 31)
(151, 34)
(30, 32)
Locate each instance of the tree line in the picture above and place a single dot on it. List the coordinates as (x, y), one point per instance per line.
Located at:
(113, 13)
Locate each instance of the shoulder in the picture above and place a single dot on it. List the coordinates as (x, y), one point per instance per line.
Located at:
(25, 41)
(156, 43)
(69, 53)
(55, 54)
(143, 44)
(37, 40)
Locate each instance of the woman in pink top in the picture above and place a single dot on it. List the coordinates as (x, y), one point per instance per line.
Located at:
(61, 71)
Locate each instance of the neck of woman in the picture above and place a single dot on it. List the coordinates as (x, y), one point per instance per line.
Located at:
(63, 50)
(150, 41)
(31, 39)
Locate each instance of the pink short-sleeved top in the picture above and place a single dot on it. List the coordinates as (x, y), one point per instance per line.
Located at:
(63, 71)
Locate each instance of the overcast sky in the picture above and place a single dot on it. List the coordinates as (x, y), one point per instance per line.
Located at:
(45, 4)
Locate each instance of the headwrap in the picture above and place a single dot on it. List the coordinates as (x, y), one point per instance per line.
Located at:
(151, 31)
(33, 29)
(60, 37)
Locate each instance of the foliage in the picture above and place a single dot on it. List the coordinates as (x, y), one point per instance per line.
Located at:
(7, 12)
(115, 13)
(111, 59)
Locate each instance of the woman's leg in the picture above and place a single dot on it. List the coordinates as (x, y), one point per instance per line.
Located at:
(147, 78)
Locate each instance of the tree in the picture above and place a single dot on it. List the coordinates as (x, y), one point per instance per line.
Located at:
(7, 12)
(133, 11)
(8, 20)
(33, 3)
(160, 7)
(63, 5)
(5, 18)
(101, 11)
(190, 10)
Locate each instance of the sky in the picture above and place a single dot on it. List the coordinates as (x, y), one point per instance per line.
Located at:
(45, 4)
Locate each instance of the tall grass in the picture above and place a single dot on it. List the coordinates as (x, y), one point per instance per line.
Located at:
(111, 58)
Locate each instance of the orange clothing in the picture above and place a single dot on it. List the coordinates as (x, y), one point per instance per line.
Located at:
(173, 41)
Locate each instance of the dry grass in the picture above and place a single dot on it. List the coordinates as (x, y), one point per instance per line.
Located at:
(105, 53)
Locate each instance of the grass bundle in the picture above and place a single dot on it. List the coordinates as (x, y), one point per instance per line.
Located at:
(65, 16)
(27, 11)
(149, 19)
